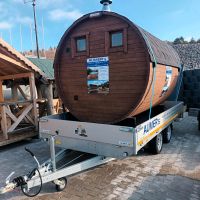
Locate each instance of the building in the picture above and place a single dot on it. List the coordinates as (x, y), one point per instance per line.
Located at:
(27, 83)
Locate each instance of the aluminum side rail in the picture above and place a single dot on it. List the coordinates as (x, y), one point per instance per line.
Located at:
(146, 131)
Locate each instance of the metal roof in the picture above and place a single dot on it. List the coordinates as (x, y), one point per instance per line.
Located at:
(45, 65)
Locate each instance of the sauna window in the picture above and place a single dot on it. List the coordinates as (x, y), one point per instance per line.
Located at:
(81, 44)
(116, 39)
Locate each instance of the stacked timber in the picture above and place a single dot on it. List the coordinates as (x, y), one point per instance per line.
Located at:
(108, 69)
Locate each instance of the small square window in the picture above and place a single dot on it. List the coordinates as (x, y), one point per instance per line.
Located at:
(81, 44)
(117, 39)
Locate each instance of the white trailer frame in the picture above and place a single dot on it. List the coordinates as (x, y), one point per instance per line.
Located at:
(87, 145)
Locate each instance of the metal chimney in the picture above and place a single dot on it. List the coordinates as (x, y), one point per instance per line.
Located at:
(106, 5)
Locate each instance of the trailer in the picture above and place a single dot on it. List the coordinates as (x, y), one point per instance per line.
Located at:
(86, 145)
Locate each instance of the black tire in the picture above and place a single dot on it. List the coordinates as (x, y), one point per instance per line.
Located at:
(167, 134)
(60, 188)
(155, 145)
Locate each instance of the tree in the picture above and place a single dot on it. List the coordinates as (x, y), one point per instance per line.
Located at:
(179, 40)
(192, 41)
(198, 41)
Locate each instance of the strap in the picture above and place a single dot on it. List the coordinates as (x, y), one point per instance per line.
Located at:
(154, 73)
(179, 83)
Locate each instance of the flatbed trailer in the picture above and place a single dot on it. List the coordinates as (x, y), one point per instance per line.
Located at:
(86, 145)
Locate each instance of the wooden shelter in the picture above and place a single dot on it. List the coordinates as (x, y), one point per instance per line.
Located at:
(18, 115)
(108, 69)
(53, 105)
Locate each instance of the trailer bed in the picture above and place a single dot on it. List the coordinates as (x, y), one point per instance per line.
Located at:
(114, 141)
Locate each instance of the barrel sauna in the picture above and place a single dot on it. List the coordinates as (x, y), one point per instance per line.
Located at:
(105, 67)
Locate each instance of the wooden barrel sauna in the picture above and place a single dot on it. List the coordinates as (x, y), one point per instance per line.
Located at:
(106, 68)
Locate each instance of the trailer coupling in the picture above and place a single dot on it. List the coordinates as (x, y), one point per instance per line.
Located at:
(8, 188)
(22, 181)
(61, 165)
(17, 182)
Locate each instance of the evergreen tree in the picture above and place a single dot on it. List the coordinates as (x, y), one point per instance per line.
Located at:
(192, 41)
(179, 40)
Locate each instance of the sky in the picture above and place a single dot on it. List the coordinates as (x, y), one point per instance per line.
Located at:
(166, 20)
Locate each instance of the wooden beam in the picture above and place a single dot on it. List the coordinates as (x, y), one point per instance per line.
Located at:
(25, 102)
(18, 137)
(28, 117)
(47, 92)
(22, 92)
(40, 104)
(3, 114)
(4, 127)
(24, 129)
(14, 92)
(15, 76)
(20, 111)
(20, 118)
(8, 68)
(1, 92)
(9, 113)
(12, 61)
(39, 91)
(33, 98)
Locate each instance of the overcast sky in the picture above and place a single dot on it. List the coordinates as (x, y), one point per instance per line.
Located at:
(165, 19)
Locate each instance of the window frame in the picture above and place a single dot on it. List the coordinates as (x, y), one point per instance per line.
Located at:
(111, 39)
(108, 45)
(81, 38)
(74, 39)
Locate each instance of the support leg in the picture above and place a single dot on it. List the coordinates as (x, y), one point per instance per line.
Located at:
(52, 151)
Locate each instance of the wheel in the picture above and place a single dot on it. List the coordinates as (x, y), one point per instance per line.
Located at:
(63, 184)
(167, 134)
(155, 145)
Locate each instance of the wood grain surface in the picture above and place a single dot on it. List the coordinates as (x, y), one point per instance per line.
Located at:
(130, 72)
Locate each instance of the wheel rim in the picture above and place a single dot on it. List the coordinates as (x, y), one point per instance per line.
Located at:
(62, 185)
(159, 141)
(169, 133)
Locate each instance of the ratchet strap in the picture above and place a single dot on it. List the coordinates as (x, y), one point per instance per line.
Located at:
(154, 73)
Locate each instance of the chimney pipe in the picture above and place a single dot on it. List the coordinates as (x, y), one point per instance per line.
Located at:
(106, 5)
